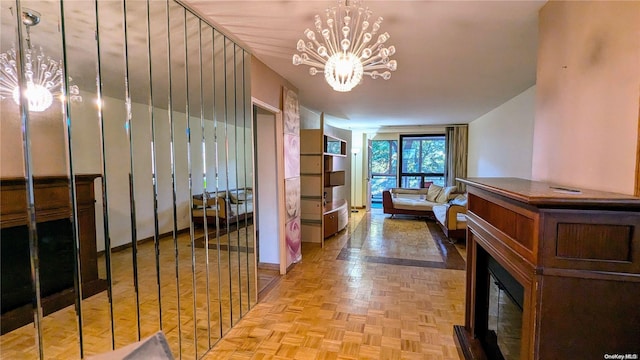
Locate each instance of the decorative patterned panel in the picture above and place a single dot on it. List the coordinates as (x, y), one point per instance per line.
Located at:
(292, 198)
(291, 131)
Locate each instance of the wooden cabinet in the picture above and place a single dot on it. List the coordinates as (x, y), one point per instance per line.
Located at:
(336, 217)
(330, 224)
(570, 260)
(323, 168)
(55, 242)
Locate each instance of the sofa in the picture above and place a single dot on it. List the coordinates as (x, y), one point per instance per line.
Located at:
(416, 202)
(452, 218)
(229, 206)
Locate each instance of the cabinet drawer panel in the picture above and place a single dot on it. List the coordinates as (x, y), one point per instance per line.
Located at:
(311, 206)
(311, 185)
(596, 241)
(311, 164)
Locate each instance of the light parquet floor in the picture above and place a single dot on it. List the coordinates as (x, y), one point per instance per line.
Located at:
(60, 330)
(364, 296)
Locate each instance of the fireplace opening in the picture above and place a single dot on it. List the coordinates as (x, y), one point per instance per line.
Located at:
(502, 339)
(55, 251)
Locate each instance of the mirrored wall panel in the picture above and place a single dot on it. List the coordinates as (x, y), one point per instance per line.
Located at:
(126, 178)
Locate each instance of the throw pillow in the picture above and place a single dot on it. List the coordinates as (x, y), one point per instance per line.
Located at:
(443, 196)
(426, 184)
(460, 200)
(434, 191)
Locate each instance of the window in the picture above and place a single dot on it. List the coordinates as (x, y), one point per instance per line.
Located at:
(384, 167)
(423, 159)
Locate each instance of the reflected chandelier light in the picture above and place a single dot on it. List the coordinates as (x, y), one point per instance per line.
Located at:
(343, 47)
(43, 75)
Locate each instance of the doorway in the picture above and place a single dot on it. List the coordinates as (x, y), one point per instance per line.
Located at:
(267, 194)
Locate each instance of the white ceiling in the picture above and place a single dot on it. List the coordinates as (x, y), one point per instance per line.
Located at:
(457, 60)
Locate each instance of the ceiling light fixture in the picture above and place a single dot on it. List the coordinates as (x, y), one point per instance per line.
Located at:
(343, 48)
(44, 76)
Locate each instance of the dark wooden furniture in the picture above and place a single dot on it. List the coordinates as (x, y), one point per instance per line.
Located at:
(55, 242)
(576, 255)
(336, 217)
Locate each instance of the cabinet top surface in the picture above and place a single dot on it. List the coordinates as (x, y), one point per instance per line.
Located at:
(542, 193)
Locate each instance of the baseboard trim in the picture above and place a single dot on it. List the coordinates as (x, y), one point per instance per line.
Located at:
(142, 241)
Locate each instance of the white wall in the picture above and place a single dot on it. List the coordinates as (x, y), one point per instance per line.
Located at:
(49, 158)
(501, 141)
(267, 194)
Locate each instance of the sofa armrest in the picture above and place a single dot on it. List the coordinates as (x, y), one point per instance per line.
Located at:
(452, 215)
(387, 202)
(222, 207)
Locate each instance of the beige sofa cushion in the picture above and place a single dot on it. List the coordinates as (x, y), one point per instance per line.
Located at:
(405, 203)
(440, 213)
(433, 192)
(444, 195)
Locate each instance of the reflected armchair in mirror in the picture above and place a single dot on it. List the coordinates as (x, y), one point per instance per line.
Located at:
(230, 206)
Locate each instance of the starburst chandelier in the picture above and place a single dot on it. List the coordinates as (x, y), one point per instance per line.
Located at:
(344, 48)
(44, 76)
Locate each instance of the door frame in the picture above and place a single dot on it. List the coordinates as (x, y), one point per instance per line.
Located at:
(279, 131)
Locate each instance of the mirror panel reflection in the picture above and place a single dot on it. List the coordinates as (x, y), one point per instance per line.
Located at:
(148, 144)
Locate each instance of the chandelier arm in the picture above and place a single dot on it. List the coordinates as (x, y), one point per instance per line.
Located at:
(357, 26)
(333, 43)
(313, 63)
(376, 67)
(372, 61)
(360, 48)
(316, 56)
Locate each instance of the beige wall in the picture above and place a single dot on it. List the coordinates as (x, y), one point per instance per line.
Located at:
(501, 141)
(266, 84)
(588, 82)
(48, 147)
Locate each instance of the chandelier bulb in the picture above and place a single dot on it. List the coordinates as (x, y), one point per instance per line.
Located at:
(322, 51)
(392, 50)
(365, 25)
(347, 21)
(345, 31)
(367, 37)
(392, 65)
(386, 75)
(366, 53)
(310, 34)
(345, 43)
(313, 71)
(301, 46)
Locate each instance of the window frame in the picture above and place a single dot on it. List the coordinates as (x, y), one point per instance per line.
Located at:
(422, 175)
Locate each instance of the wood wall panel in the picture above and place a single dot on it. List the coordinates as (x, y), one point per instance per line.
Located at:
(594, 242)
(517, 226)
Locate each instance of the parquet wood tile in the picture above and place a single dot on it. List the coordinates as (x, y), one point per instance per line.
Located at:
(366, 295)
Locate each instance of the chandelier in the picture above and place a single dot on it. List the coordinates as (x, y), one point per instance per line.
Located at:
(344, 47)
(43, 75)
